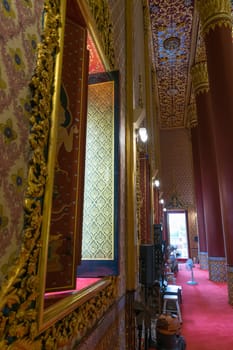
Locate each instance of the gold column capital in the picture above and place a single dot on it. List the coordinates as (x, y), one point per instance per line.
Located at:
(214, 13)
(200, 78)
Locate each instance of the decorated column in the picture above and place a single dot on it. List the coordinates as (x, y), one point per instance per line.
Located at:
(216, 23)
(202, 242)
(209, 178)
(145, 199)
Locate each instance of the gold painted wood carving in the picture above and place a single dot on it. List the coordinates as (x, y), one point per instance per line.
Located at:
(75, 325)
(192, 116)
(214, 13)
(20, 290)
(100, 12)
(200, 78)
(23, 322)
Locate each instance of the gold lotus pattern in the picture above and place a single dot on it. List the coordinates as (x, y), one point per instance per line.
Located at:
(98, 198)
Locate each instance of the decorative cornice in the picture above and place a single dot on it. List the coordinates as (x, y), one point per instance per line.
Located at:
(200, 78)
(192, 116)
(214, 13)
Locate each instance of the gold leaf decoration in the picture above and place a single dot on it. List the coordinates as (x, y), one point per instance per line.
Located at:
(20, 289)
(200, 78)
(80, 321)
(19, 293)
(192, 116)
(101, 14)
(214, 13)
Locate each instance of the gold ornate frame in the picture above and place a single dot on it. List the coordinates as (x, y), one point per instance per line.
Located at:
(24, 324)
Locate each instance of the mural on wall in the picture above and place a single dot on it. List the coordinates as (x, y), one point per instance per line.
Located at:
(22, 320)
(20, 28)
(65, 238)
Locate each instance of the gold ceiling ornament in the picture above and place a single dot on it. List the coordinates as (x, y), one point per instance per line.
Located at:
(200, 78)
(214, 13)
(192, 116)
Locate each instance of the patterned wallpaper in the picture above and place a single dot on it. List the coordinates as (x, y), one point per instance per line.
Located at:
(176, 162)
(177, 174)
(111, 325)
(98, 217)
(20, 28)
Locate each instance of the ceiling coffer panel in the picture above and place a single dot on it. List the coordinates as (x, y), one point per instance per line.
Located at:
(171, 25)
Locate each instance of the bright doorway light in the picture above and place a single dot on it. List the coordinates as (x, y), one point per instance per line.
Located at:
(177, 230)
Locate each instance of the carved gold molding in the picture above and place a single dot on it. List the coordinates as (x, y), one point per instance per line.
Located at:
(101, 14)
(138, 194)
(200, 78)
(192, 116)
(75, 325)
(21, 292)
(146, 17)
(214, 13)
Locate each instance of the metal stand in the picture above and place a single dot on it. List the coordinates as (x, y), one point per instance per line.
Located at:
(192, 282)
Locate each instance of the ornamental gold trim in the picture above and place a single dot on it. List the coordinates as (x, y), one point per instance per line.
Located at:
(200, 78)
(192, 116)
(21, 289)
(146, 17)
(74, 326)
(214, 13)
(24, 324)
(101, 14)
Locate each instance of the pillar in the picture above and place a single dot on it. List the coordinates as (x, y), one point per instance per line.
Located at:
(209, 178)
(217, 31)
(202, 242)
(145, 194)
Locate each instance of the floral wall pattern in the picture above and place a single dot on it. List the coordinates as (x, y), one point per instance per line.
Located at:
(177, 175)
(23, 23)
(20, 28)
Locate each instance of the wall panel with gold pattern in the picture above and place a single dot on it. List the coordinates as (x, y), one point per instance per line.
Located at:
(101, 193)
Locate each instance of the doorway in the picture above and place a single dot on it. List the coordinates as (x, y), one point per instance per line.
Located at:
(177, 229)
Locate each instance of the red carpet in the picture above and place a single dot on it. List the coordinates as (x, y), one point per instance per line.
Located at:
(207, 316)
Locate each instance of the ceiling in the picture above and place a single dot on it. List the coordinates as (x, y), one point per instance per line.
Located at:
(175, 45)
(174, 27)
